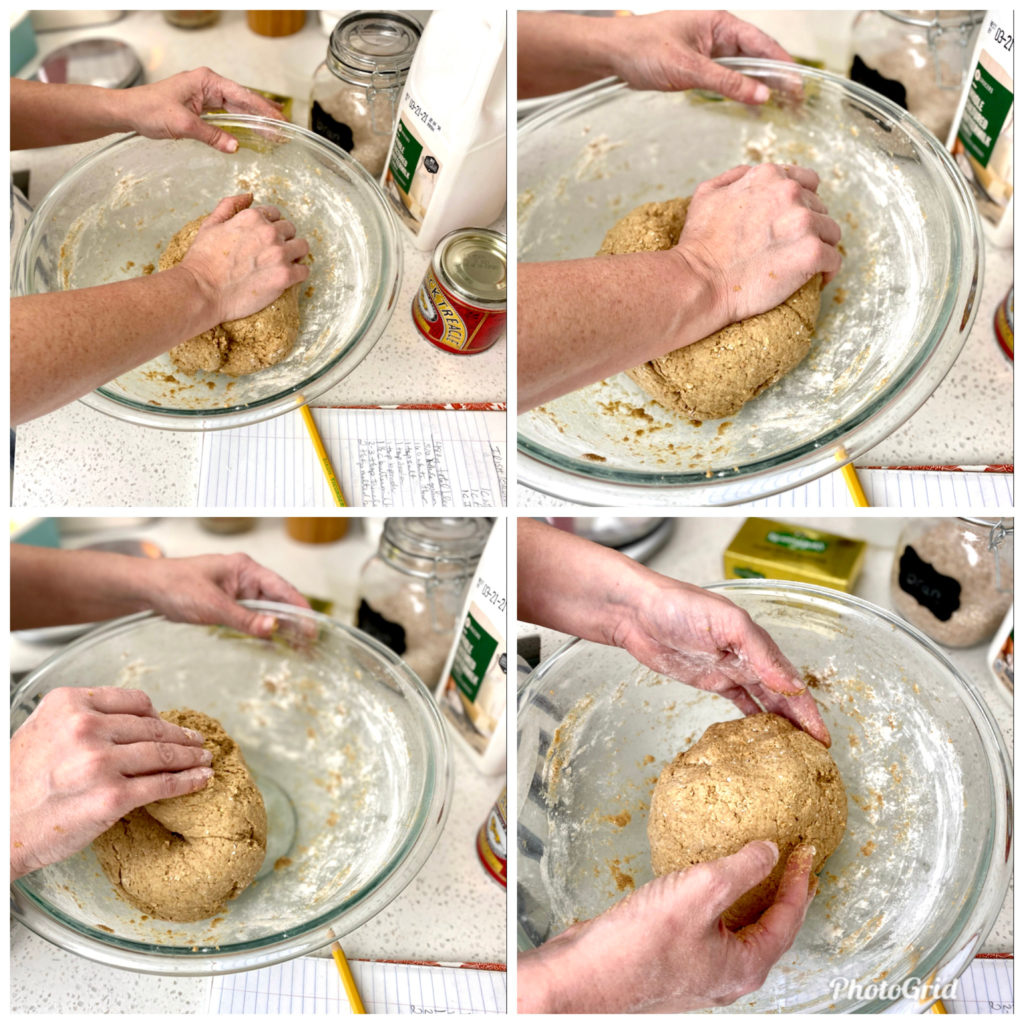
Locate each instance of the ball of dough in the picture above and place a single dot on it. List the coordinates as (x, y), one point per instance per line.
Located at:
(236, 347)
(716, 376)
(753, 778)
(182, 858)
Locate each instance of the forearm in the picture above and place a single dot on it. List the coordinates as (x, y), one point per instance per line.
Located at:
(576, 586)
(51, 114)
(583, 320)
(50, 587)
(559, 52)
(66, 344)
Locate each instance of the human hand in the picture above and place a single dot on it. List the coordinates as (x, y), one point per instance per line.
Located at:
(206, 590)
(755, 235)
(244, 257)
(665, 949)
(86, 757)
(171, 108)
(674, 49)
(705, 640)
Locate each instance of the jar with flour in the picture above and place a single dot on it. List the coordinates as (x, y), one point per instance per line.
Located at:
(953, 578)
(411, 591)
(356, 89)
(446, 166)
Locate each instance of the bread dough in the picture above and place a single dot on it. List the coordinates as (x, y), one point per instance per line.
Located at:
(715, 377)
(236, 346)
(181, 858)
(753, 778)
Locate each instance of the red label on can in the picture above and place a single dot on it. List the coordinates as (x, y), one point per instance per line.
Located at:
(492, 841)
(451, 323)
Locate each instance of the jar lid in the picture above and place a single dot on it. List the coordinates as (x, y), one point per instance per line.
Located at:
(439, 538)
(937, 19)
(472, 263)
(375, 42)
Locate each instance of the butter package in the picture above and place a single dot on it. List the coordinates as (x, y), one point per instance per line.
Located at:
(763, 549)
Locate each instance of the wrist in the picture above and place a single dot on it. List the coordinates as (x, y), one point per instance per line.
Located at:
(198, 299)
(695, 275)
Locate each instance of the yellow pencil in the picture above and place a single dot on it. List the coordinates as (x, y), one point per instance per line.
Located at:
(346, 976)
(938, 1007)
(852, 482)
(325, 462)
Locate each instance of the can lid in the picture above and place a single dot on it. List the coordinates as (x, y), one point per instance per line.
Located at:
(375, 42)
(472, 263)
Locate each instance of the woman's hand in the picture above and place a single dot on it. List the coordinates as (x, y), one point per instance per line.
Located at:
(756, 234)
(675, 50)
(244, 257)
(171, 108)
(86, 757)
(206, 590)
(664, 949)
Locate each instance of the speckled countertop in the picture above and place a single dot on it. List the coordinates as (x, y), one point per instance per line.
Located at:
(451, 911)
(78, 457)
(694, 554)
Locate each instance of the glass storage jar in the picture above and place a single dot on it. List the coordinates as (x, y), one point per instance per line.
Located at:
(953, 578)
(411, 591)
(919, 59)
(356, 89)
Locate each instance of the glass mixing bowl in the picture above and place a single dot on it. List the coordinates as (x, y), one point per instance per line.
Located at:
(346, 746)
(113, 213)
(892, 322)
(923, 869)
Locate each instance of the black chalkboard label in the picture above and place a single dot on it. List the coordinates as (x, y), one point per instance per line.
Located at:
(939, 594)
(389, 633)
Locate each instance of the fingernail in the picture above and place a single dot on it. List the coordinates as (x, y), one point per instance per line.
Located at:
(193, 735)
(206, 757)
(266, 624)
(761, 93)
(232, 145)
(772, 847)
(204, 773)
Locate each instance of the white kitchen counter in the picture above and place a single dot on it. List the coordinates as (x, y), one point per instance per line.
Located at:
(452, 911)
(694, 554)
(81, 458)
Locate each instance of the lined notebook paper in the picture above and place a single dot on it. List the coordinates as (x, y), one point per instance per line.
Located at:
(312, 985)
(985, 987)
(900, 488)
(382, 457)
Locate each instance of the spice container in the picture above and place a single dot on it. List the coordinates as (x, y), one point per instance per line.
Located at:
(357, 88)
(411, 591)
(953, 578)
(461, 304)
(918, 59)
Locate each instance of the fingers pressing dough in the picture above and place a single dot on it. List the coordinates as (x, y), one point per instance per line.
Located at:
(241, 346)
(182, 858)
(753, 778)
(716, 376)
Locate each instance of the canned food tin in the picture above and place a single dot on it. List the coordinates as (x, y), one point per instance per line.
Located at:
(460, 306)
(1004, 324)
(492, 841)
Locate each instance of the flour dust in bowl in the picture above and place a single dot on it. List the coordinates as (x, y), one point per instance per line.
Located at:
(924, 866)
(346, 746)
(892, 322)
(109, 218)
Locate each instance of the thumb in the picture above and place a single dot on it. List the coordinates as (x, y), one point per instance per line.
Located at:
(730, 83)
(246, 620)
(740, 872)
(228, 207)
(214, 136)
(773, 933)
